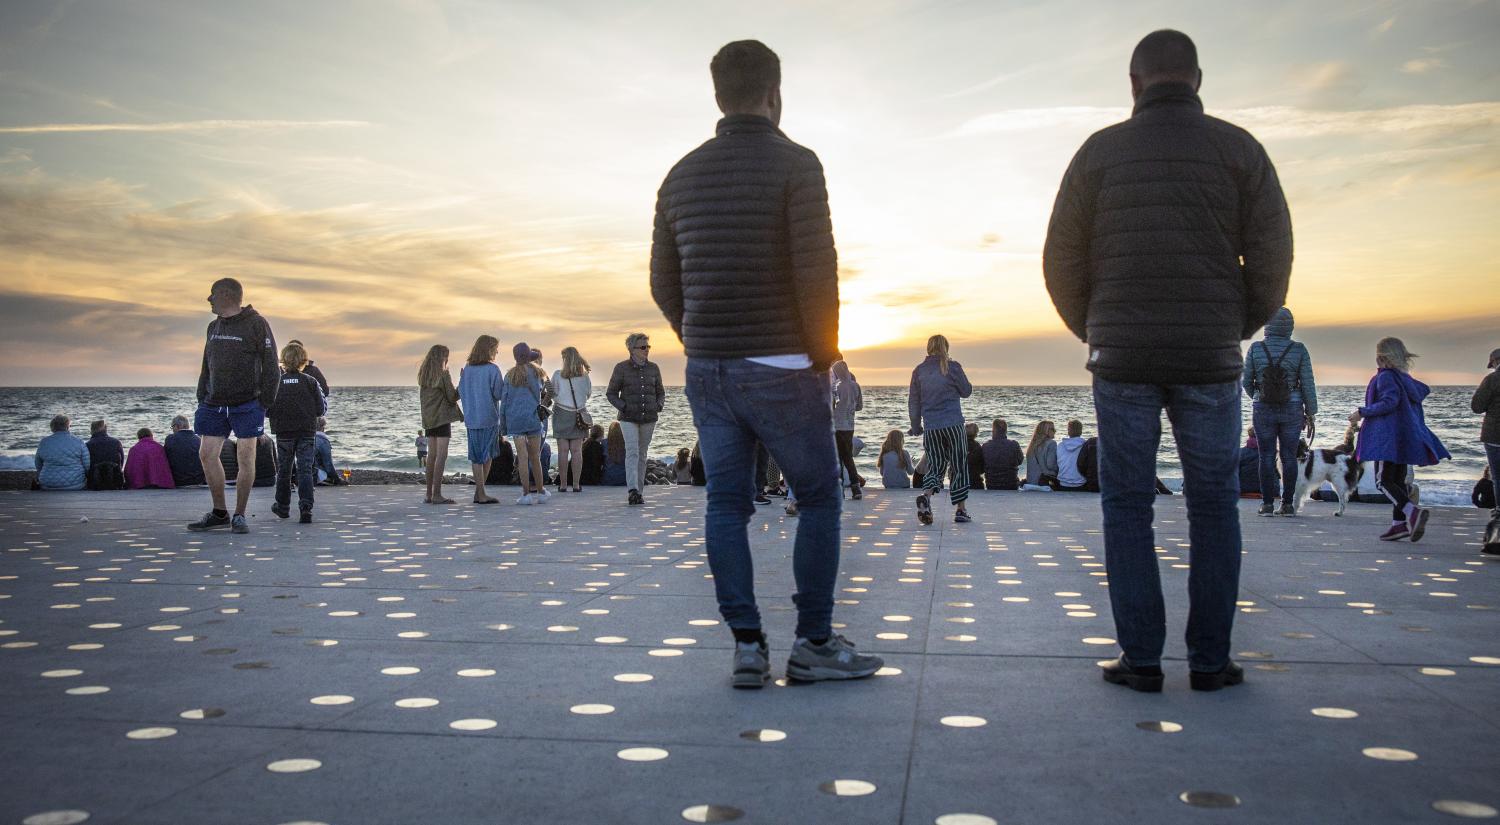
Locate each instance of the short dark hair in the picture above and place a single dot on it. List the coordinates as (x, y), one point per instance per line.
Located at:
(1075, 428)
(1165, 54)
(98, 426)
(744, 71)
(144, 432)
(1000, 428)
(229, 288)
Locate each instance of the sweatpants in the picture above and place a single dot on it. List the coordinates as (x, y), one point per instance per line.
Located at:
(637, 446)
(945, 448)
(844, 439)
(1391, 480)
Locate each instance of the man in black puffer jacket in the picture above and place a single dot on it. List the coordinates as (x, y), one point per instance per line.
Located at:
(1170, 242)
(744, 268)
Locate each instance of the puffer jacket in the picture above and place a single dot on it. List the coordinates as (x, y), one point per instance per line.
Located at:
(1170, 242)
(636, 391)
(1294, 359)
(1487, 401)
(62, 462)
(742, 255)
(1394, 428)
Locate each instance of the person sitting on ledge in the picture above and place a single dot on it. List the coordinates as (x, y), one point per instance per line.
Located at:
(182, 454)
(62, 460)
(324, 452)
(147, 464)
(1070, 477)
(106, 459)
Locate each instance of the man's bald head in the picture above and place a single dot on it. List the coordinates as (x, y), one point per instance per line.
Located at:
(1164, 56)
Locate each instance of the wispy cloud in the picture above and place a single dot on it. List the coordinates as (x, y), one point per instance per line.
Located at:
(1423, 65)
(182, 126)
(1384, 26)
(1264, 121)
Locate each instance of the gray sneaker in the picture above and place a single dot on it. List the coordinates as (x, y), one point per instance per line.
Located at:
(238, 524)
(752, 665)
(834, 659)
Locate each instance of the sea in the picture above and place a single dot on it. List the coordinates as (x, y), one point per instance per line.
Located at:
(376, 427)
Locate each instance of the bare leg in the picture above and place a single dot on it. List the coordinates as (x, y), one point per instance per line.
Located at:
(575, 460)
(481, 472)
(535, 447)
(523, 462)
(437, 459)
(213, 469)
(244, 451)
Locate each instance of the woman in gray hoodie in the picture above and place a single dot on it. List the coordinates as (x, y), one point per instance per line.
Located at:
(848, 399)
(1285, 404)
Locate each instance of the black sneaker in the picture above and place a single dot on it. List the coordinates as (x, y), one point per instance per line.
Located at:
(962, 517)
(1492, 537)
(210, 522)
(1287, 510)
(238, 524)
(281, 510)
(1231, 674)
(854, 492)
(1267, 509)
(635, 498)
(762, 498)
(1143, 679)
(305, 518)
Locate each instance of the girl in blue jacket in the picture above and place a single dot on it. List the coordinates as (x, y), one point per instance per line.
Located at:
(1394, 435)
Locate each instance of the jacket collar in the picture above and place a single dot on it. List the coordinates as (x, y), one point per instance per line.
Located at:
(746, 125)
(1167, 94)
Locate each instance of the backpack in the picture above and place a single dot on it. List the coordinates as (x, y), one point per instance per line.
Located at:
(1275, 386)
(106, 475)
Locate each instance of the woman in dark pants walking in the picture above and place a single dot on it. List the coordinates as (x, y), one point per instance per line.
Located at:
(937, 385)
(1394, 435)
(848, 399)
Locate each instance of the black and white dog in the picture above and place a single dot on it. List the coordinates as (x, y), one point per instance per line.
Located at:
(1336, 467)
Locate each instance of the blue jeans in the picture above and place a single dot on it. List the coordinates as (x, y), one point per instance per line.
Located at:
(735, 403)
(1277, 429)
(295, 453)
(1206, 423)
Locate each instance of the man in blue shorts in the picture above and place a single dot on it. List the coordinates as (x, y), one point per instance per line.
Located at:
(236, 385)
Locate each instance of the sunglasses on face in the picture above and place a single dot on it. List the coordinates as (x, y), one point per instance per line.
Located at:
(644, 347)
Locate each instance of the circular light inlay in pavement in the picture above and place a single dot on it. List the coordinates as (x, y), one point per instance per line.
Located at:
(472, 724)
(1098, 640)
(1485, 660)
(664, 653)
(1467, 810)
(711, 813)
(592, 709)
(416, 702)
(1390, 754)
(61, 674)
(642, 754)
(964, 721)
(1436, 671)
(87, 690)
(400, 671)
(151, 733)
(333, 699)
(888, 671)
(202, 713)
(965, 819)
(1160, 727)
(73, 818)
(763, 735)
(294, 765)
(633, 678)
(1334, 713)
(847, 787)
(476, 672)
(1209, 799)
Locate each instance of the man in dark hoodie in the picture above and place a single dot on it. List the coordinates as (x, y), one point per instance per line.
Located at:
(1169, 244)
(106, 458)
(294, 420)
(236, 385)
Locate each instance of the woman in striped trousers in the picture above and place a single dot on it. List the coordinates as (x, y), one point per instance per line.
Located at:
(937, 385)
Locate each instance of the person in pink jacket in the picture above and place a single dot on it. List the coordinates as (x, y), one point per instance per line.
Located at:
(147, 466)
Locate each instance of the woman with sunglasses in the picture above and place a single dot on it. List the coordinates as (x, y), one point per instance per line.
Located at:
(635, 389)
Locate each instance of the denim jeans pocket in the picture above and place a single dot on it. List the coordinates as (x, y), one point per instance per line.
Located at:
(789, 401)
(1209, 395)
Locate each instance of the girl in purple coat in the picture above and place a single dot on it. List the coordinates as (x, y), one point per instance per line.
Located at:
(1394, 435)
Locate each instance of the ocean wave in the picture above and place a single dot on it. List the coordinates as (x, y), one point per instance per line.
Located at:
(17, 462)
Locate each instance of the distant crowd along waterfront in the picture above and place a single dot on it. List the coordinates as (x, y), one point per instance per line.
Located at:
(1170, 203)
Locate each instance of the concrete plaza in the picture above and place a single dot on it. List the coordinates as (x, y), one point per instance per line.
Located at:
(401, 663)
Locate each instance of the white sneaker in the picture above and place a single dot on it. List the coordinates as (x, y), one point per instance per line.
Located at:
(526, 499)
(542, 496)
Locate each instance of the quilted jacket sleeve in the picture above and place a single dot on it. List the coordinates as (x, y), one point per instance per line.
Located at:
(815, 262)
(666, 268)
(1065, 257)
(1266, 239)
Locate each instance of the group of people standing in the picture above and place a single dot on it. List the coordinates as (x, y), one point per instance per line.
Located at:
(523, 403)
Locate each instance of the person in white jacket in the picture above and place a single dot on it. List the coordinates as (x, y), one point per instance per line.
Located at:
(1069, 474)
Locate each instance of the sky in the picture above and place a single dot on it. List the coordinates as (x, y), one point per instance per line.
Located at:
(383, 175)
